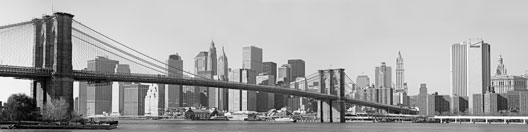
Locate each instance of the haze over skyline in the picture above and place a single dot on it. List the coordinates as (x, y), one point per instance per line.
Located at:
(355, 35)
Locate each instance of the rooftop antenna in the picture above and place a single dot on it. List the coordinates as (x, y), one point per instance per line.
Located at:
(52, 11)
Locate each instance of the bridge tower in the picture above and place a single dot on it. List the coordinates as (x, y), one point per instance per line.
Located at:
(53, 50)
(332, 82)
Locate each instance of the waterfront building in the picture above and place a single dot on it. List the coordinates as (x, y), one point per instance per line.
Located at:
(83, 87)
(421, 101)
(297, 68)
(174, 92)
(252, 58)
(265, 100)
(122, 68)
(189, 97)
(517, 102)
(134, 100)
(503, 83)
(155, 100)
(470, 71)
(494, 103)
(242, 100)
(99, 94)
(459, 105)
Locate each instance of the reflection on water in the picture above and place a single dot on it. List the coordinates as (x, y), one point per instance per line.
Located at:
(241, 126)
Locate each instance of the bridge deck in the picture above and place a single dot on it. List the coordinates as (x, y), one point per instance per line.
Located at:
(82, 75)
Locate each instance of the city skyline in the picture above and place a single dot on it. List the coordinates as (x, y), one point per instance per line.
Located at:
(502, 29)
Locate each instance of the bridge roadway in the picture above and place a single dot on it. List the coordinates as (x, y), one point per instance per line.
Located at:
(83, 75)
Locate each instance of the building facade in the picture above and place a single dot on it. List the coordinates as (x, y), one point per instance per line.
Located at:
(223, 75)
(252, 59)
(270, 68)
(362, 81)
(502, 83)
(383, 76)
(174, 92)
(297, 68)
(265, 100)
(242, 100)
(470, 71)
(122, 68)
(134, 101)
(155, 100)
(99, 95)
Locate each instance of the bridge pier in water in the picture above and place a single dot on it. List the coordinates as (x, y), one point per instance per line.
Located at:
(53, 50)
(333, 83)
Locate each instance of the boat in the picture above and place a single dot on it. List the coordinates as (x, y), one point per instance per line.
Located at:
(285, 119)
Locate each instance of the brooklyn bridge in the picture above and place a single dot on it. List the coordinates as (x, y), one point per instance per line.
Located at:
(60, 45)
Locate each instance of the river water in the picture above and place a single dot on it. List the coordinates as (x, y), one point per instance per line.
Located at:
(259, 126)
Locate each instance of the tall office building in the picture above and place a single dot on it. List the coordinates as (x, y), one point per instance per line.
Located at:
(265, 100)
(83, 87)
(421, 102)
(122, 68)
(200, 62)
(362, 81)
(155, 100)
(223, 67)
(283, 80)
(242, 100)
(270, 68)
(99, 95)
(470, 70)
(252, 58)
(400, 78)
(174, 92)
(223, 75)
(503, 83)
(383, 76)
(494, 103)
(284, 75)
(383, 84)
(200, 68)
(134, 100)
(297, 68)
(211, 59)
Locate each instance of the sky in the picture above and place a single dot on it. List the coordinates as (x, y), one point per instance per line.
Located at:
(353, 34)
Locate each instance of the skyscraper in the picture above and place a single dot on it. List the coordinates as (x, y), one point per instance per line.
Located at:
(200, 68)
(223, 75)
(122, 68)
(134, 101)
(362, 81)
(265, 100)
(400, 78)
(270, 68)
(223, 69)
(155, 100)
(211, 59)
(200, 62)
(174, 92)
(297, 68)
(383, 76)
(99, 95)
(242, 100)
(470, 70)
(284, 75)
(252, 58)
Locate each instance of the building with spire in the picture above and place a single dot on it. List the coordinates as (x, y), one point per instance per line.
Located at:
(503, 83)
(400, 92)
(223, 75)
